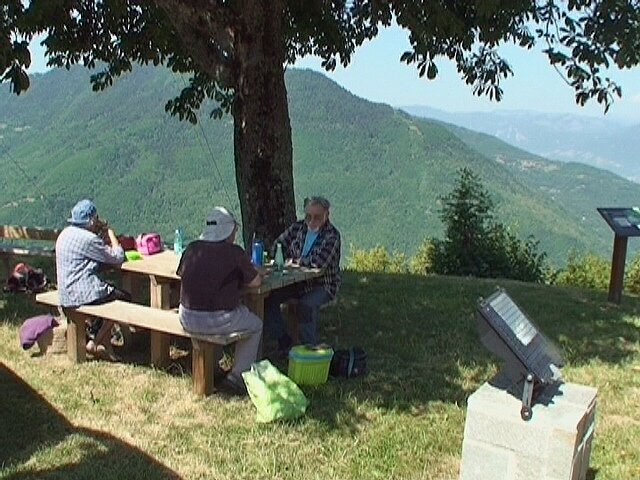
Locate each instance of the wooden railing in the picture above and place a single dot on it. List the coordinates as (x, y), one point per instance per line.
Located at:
(20, 241)
(28, 233)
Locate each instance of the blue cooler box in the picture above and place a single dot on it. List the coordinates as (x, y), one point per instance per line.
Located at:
(309, 365)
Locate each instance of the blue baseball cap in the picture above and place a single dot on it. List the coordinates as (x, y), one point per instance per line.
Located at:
(82, 212)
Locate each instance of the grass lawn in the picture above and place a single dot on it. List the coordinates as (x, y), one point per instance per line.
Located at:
(405, 420)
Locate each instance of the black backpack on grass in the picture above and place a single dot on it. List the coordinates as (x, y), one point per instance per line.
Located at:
(349, 363)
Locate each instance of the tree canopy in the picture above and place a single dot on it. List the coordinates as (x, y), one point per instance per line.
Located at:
(236, 51)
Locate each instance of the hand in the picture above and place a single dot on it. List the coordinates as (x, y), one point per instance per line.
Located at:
(100, 227)
(292, 262)
(263, 272)
(112, 238)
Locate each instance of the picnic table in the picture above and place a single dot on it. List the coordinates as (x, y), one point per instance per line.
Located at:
(161, 271)
(625, 223)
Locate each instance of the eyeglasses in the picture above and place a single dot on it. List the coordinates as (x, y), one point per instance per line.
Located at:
(319, 217)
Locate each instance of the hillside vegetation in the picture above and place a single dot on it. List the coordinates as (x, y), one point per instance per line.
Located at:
(405, 420)
(594, 140)
(382, 169)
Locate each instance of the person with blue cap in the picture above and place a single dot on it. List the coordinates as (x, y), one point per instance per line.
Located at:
(81, 250)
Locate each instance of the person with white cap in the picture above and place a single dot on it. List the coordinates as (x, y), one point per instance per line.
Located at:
(213, 271)
(80, 252)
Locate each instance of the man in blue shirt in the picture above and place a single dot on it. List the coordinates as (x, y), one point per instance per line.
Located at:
(80, 251)
(312, 242)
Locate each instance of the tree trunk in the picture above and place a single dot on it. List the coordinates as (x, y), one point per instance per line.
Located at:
(262, 129)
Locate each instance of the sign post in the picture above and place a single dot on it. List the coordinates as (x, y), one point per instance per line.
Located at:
(625, 223)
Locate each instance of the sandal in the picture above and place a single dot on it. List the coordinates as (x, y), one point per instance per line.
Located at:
(106, 353)
(91, 347)
(102, 352)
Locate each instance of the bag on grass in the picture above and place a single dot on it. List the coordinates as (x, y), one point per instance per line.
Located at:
(25, 278)
(274, 394)
(349, 363)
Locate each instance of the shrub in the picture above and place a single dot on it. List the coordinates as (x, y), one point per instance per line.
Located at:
(513, 258)
(376, 260)
(422, 262)
(398, 263)
(632, 276)
(586, 271)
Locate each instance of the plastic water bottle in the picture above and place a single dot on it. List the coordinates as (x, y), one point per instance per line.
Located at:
(278, 263)
(178, 243)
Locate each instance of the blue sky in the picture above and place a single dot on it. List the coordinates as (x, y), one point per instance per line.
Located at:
(375, 73)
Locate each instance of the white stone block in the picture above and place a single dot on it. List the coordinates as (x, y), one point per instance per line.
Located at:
(488, 461)
(554, 445)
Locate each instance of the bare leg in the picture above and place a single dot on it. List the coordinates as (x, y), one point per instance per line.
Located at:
(104, 334)
(103, 342)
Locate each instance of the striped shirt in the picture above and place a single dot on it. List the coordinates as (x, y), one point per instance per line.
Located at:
(324, 254)
(79, 255)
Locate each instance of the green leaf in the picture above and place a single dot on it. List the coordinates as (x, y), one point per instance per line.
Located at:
(432, 71)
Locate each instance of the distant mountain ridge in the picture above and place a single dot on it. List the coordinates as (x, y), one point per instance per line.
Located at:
(382, 169)
(609, 145)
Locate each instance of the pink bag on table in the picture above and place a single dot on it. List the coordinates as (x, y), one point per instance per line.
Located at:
(148, 243)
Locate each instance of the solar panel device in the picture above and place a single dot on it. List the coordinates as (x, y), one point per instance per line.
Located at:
(531, 359)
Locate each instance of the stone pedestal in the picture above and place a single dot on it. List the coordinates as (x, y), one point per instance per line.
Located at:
(554, 445)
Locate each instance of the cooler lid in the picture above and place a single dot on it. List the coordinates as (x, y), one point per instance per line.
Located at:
(311, 352)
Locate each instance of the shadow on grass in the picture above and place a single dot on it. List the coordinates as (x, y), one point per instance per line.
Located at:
(32, 427)
(423, 347)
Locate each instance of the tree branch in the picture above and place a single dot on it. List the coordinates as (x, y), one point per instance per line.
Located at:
(207, 31)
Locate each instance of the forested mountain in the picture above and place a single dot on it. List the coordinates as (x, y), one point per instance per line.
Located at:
(382, 169)
(611, 145)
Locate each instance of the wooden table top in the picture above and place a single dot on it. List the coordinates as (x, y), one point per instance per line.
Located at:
(165, 264)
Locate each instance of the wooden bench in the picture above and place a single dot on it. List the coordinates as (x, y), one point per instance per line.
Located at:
(26, 234)
(161, 324)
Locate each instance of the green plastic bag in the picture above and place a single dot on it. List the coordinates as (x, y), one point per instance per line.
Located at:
(274, 394)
